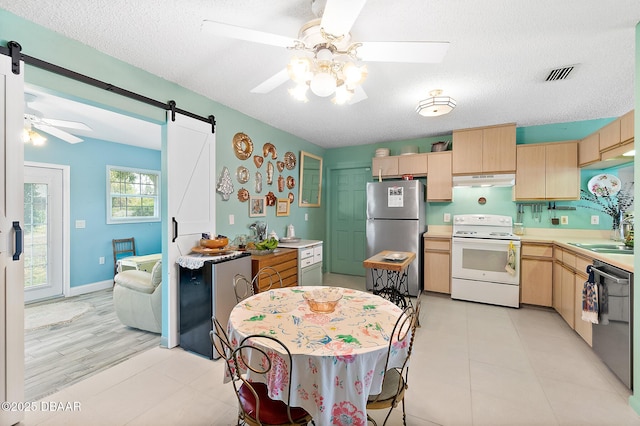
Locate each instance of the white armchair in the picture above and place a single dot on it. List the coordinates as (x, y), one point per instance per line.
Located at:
(137, 298)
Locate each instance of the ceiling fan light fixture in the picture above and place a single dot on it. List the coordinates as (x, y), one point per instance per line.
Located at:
(299, 69)
(436, 104)
(353, 74)
(36, 138)
(323, 84)
(342, 95)
(299, 92)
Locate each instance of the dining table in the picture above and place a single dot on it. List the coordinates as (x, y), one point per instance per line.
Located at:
(338, 358)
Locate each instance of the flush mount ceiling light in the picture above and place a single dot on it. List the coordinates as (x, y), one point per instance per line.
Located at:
(436, 104)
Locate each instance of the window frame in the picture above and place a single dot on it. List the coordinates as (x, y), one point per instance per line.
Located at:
(135, 219)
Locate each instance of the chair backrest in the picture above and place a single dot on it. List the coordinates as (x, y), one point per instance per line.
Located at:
(122, 247)
(266, 278)
(261, 356)
(242, 287)
(405, 328)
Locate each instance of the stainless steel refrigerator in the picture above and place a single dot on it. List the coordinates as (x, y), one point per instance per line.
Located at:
(396, 221)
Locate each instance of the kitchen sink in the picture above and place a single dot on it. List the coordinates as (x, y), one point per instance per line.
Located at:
(605, 248)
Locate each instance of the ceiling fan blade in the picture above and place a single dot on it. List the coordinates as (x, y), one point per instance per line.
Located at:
(339, 16)
(61, 134)
(358, 95)
(240, 33)
(271, 83)
(66, 124)
(403, 51)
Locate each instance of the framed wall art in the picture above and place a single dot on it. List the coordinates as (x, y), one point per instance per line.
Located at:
(257, 206)
(282, 207)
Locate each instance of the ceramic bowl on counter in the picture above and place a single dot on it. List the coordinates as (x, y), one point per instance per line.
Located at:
(215, 243)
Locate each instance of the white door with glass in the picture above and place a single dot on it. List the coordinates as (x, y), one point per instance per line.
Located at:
(43, 233)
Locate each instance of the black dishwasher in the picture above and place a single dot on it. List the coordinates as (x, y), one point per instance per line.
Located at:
(613, 335)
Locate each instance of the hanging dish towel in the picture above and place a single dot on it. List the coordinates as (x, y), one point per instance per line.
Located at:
(511, 259)
(590, 299)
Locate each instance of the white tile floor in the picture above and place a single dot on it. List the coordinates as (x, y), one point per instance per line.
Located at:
(473, 364)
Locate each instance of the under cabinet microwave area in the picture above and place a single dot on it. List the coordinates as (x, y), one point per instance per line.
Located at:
(493, 150)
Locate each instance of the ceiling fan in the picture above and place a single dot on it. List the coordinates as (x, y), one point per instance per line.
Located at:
(34, 119)
(328, 64)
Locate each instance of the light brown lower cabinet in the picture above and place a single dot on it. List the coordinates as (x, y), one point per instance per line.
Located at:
(285, 261)
(437, 265)
(536, 274)
(569, 275)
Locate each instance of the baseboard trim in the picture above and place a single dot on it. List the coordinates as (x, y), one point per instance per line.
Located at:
(90, 288)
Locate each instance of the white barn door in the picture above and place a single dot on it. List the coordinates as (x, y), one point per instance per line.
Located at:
(191, 203)
(11, 260)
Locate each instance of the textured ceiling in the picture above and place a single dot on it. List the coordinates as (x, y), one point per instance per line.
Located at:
(499, 55)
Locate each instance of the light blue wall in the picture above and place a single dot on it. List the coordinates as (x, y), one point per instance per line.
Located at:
(88, 202)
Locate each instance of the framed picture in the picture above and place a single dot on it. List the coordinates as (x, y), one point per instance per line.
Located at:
(257, 206)
(282, 207)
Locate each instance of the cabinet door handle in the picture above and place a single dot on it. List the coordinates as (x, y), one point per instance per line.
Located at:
(19, 240)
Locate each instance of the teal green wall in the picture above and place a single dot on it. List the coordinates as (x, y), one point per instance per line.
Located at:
(44, 44)
(499, 200)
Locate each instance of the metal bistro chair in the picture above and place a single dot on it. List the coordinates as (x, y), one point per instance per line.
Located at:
(266, 276)
(121, 248)
(394, 383)
(255, 406)
(242, 287)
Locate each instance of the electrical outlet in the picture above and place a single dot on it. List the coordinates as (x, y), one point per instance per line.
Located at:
(595, 220)
(447, 217)
(81, 224)
(101, 260)
(232, 219)
(306, 216)
(564, 220)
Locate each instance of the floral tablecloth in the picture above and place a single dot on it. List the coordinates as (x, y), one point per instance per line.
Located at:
(338, 358)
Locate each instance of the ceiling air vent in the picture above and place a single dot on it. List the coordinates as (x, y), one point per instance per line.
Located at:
(560, 73)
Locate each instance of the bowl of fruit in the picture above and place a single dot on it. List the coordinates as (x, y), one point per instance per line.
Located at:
(267, 246)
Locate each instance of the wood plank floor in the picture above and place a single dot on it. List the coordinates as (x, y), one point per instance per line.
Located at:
(61, 355)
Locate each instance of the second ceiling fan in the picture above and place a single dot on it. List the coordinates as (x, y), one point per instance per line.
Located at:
(328, 61)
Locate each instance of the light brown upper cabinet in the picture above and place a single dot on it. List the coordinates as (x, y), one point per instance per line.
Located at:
(605, 148)
(548, 171)
(413, 164)
(384, 166)
(589, 149)
(439, 179)
(485, 150)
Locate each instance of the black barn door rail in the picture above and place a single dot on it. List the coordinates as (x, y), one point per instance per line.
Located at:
(14, 50)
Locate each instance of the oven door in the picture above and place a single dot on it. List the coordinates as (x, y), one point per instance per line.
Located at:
(484, 260)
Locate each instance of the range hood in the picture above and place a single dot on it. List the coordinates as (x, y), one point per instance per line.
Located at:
(485, 180)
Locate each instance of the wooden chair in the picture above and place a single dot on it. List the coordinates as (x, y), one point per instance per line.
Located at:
(255, 406)
(121, 248)
(394, 383)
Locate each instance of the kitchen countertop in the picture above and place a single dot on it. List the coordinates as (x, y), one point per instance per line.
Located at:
(561, 237)
(299, 244)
